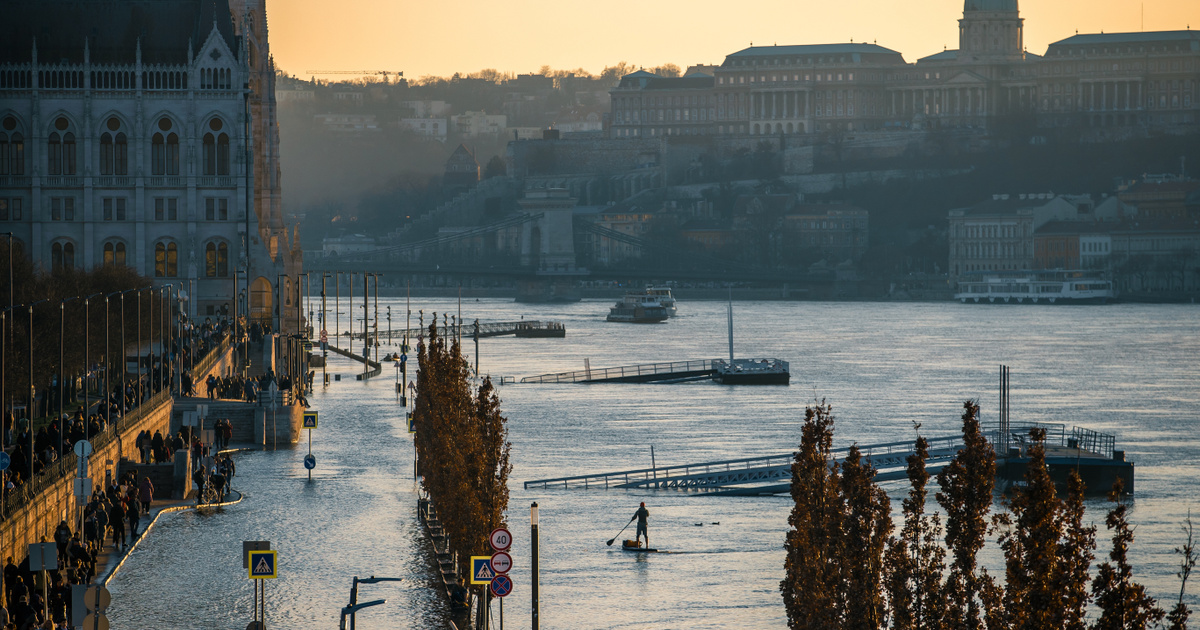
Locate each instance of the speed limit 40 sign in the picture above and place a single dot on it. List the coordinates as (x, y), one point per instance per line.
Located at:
(501, 539)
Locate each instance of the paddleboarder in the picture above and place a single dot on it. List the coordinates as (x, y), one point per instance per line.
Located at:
(641, 515)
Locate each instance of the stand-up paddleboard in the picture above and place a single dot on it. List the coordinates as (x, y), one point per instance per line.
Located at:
(641, 550)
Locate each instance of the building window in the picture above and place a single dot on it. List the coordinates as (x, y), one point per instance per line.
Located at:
(62, 256)
(166, 258)
(114, 254)
(113, 208)
(166, 209)
(216, 209)
(62, 208)
(216, 260)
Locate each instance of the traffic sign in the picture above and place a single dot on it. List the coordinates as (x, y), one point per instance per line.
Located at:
(481, 570)
(97, 597)
(501, 562)
(310, 420)
(43, 557)
(412, 424)
(96, 622)
(501, 585)
(5, 460)
(500, 538)
(403, 358)
(83, 448)
(252, 545)
(324, 336)
(310, 462)
(264, 565)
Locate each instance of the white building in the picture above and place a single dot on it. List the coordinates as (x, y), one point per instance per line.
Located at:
(429, 127)
(146, 148)
(472, 124)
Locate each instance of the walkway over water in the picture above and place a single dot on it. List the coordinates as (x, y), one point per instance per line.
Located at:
(755, 475)
(673, 372)
(520, 328)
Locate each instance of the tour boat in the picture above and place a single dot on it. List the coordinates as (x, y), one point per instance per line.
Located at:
(663, 294)
(638, 308)
(1036, 287)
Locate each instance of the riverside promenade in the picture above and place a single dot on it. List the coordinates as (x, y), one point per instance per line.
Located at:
(33, 510)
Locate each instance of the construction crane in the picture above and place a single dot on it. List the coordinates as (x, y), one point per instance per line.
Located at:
(361, 73)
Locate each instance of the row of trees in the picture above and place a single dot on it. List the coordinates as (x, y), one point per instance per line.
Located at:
(846, 569)
(462, 446)
(78, 322)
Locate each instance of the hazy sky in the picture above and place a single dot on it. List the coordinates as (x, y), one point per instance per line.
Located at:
(442, 38)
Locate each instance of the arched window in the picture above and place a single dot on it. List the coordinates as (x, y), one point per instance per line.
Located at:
(158, 155)
(172, 154)
(62, 256)
(209, 155)
(216, 260)
(121, 155)
(68, 154)
(55, 155)
(222, 154)
(166, 260)
(114, 254)
(106, 154)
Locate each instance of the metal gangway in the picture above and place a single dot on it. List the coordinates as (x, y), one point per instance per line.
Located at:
(673, 372)
(756, 475)
(486, 329)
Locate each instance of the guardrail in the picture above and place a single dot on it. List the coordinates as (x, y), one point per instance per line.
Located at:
(629, 371)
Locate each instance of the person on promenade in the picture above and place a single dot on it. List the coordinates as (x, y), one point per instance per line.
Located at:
(132, 514)
(62, 537)
(146, 494)
(200, 478)
(641, 515)
(116, 520)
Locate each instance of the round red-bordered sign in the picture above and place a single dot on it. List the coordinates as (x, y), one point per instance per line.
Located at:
(501, 539)
(501, 562)
(501, 585)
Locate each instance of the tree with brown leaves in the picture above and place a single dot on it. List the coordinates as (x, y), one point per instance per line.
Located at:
(1123, 603)
(915, 560)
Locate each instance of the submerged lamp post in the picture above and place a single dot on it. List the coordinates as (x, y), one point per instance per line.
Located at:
(533, 545)
(354, 605)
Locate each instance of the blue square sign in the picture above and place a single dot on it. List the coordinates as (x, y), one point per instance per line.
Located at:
(310, 420)
(264, 565)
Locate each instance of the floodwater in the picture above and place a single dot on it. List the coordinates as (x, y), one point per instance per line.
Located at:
(1129, 370)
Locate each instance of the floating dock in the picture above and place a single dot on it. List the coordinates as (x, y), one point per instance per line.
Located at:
(1089, 452)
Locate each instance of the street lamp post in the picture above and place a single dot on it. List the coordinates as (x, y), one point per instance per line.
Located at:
(32, 390)
(62, 376)
(533, 543)
(87, 357)
(354, 605)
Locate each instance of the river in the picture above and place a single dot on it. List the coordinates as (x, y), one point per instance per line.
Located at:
(1130, 370)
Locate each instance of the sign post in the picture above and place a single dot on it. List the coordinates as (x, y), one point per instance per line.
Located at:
(501, 585)
(250, 548)
(43, 557)
(310, 423)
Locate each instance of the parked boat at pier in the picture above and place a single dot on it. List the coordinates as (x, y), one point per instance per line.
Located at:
(751, 372)
(1036, 287)
(664, 297)
(638, 308)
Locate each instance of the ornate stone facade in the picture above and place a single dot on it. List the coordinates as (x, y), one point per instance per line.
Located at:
(144, 134)
(1122, 82)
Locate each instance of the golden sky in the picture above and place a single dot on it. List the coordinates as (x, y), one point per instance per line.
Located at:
(441, 38)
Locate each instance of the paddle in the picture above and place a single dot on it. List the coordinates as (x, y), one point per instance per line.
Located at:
(609, 543)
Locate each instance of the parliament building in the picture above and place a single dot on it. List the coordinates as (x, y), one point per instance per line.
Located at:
(144, 134)
(1113, 83)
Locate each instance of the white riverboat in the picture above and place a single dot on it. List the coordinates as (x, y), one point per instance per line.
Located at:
(1036, 287)
(638, 308)
(664, 297)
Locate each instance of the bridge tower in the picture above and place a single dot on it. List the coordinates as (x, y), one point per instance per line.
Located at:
(548, 247)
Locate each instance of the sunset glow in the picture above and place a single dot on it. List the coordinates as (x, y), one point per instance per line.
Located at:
(522, 36)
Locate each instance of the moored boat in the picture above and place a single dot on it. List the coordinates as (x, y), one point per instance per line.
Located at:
(637, 308)
(751, 372)
(1036, 287)
(664, 297)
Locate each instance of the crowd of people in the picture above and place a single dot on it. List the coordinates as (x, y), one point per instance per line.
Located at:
(111, 517)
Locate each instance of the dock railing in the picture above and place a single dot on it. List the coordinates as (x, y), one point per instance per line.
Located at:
(1057, 435)
(629, 371)
(886, 455)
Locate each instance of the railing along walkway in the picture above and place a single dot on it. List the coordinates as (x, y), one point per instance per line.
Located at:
(889, 459)
(644, 373)
(466, 330)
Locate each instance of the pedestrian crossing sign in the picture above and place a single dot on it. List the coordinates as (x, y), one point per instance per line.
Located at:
(412, 425)
(264, 565)
(310, 420)
(481, 570)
